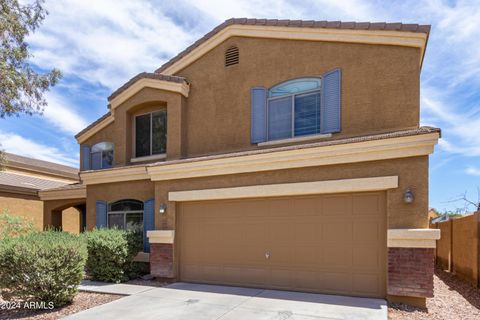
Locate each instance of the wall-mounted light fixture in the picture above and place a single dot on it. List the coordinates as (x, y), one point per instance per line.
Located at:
(163, 208)
(408, 196)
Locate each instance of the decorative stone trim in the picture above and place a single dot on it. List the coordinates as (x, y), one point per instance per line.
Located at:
(412, 238)
(161, 236)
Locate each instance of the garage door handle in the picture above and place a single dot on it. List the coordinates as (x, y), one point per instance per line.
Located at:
(267, 255)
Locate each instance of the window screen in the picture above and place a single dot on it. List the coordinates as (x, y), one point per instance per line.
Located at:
(307, 114)
(280, 118)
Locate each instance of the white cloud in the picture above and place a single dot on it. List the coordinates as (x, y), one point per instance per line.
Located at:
(106, 42)
(17, 144)
(474, 171)
(62, 116)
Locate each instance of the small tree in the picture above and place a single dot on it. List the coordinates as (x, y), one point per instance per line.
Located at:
(21, 87)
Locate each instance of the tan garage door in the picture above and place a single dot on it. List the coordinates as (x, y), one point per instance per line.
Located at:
(329, 243)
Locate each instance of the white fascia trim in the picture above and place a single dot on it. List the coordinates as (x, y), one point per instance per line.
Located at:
(381, 37)
(383, 149)
(99, 126)
(114, 175)
(182, 88)
(288, 189)
(79, 193)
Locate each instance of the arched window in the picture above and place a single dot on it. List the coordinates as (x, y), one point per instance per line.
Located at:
(126, 214)
(102, 155)
(294, 108)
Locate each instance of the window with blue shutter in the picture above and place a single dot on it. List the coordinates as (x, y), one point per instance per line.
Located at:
(101, 214)
(86, 157)
(299, 107)
(148, 221)
(331, 101)
(259, 115)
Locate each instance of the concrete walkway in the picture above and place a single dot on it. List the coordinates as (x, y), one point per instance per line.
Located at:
(208, 302)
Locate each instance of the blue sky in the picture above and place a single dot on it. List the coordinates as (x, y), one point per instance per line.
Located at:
(99, 45)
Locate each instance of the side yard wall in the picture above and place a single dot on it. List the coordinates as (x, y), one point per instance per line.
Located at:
(458, 249)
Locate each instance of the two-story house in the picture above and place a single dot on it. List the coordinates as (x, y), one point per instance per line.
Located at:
(274, 153)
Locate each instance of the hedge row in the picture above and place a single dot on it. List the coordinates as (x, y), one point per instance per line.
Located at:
(48, 266)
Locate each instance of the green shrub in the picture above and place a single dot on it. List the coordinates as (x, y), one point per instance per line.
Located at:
(42, 267)
(13, 226)
(111, 253)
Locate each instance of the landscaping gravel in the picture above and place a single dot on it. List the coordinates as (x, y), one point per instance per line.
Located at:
(83, 301)
(453, 299)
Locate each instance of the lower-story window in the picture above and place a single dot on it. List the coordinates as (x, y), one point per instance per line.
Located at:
(126, 214)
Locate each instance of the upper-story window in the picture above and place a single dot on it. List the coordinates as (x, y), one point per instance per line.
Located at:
(303, 108)
(102, 155)
(151, 134)
(294, 109)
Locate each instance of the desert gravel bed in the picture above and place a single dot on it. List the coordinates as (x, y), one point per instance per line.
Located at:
(83, 301)
(453, 299)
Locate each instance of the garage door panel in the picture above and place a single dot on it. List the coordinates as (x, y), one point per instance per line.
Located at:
(367, 204)
(366, 284)
(307, 206)
(338, 256)
(337, 231)
(323, 243)
(337, 205)
(367, 231)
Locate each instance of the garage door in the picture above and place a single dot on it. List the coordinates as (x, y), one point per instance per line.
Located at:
(329, 243)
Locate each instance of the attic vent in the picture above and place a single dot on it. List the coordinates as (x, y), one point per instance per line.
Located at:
(231, 56)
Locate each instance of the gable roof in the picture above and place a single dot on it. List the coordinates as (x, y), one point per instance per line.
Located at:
(146, 75)
(41, 166)
(339, 25)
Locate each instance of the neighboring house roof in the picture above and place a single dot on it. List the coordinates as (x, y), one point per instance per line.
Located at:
(18, 183)
(374, 26)
(19, 162)
(441, 218)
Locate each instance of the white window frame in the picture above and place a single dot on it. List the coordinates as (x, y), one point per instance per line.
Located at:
(134, 140)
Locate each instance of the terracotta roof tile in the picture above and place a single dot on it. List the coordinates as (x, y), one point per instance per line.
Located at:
(299, 23)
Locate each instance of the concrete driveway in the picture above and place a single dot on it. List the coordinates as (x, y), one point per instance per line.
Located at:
(207, 302)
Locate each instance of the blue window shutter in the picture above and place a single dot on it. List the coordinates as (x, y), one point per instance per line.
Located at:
(86, 157)
(258, 125)
(331, 101)
(148, 221)
(101, 214)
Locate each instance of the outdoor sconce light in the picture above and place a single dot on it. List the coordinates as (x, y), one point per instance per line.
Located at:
(163, 208)
(408, 196)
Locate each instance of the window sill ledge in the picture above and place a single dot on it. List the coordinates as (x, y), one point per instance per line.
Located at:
(293, 140)
(149, 158)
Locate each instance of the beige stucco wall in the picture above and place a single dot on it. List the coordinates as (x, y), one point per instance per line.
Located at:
(444, 245)
(380, 92)
(380, 87)
(26, 206)
(146, 100)
(412, 172)
(71, 220)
